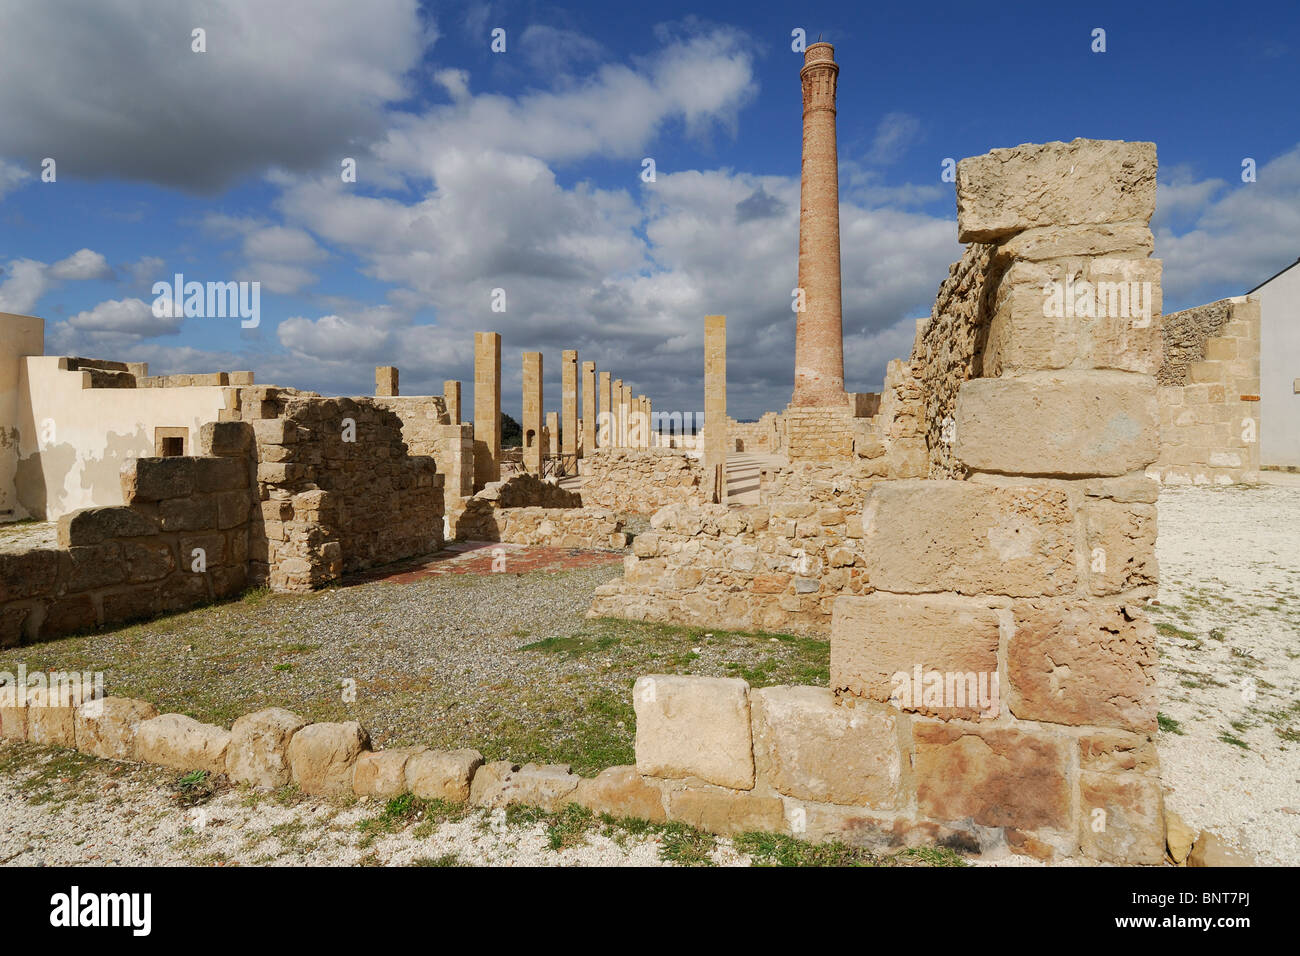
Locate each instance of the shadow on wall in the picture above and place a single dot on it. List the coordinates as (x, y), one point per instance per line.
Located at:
(41, 479)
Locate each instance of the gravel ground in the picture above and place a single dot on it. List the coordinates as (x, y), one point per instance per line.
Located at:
(1229, 617)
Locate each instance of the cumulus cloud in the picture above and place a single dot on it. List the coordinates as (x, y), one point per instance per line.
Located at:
(82, 264)
(1218, 238)
(894, 133)
(125, 316)
(281, 84)
(11, 176)
(27, 280)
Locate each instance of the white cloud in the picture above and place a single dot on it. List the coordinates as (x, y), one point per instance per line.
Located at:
(11, 176)
(82, 264)
(125, 316)
(129, 98)
(894, 133)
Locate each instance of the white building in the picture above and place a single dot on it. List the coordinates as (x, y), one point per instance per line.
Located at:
(1279, 368)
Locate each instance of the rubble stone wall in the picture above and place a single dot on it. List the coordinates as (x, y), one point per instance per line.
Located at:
(546, 527)
(1209, 395)
(338, 491)
(180, 540)
(640, 481)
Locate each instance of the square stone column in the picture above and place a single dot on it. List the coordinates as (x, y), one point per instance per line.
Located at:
(385, 380)
(487, 408)
(588, 407)
(531, 418)
(625, 408)
(605, 424)
(618, 421)
(569, 402)
(451, 398)
(649, 418)
(715, 408)
(553, 434)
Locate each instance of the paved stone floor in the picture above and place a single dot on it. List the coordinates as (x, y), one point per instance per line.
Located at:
(488, 557)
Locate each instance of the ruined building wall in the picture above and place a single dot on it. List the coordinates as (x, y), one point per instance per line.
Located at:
(1209, 395)
(639, 481)
(332, 475)
(180, 539)
(427, 430)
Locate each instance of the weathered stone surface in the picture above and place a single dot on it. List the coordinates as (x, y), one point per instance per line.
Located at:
(727, 811)
(13, 711)
(878, 641)
(96, 525)
(621, 792)
(382, 773)
(321, 756)
(502, 783)
(1117, 751)
(182, 743)
(1211, 850)
(107, 728)
(1130, 239)
(857, 826)
(442, 775)
(808, 746)
(1179, 837)
(156, 479)
(921, 536)
(1078, 662)
(1121, 818)
(1058, 424)
(1007, 191)
(1076, 313)
(998, 777)
(259, 745)
(52, 712)
(1121, 548)
(694, 727)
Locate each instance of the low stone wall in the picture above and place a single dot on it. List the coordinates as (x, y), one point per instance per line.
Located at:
(181, 539)
(548, 527)
(332, 473)
(764, 436)
(640, 482)
(1209, 419)
(774, 567)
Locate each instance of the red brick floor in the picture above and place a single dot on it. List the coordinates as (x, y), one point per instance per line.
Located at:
(487, 557)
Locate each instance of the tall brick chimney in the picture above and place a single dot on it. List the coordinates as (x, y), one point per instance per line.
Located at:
(819, 345)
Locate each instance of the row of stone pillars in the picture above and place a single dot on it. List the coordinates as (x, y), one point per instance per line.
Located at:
(602, 413)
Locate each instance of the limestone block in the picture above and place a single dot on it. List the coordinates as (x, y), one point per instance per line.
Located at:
(888, 647)
(1179, 837)
(1121, 818)
(694, 727)
(501, 783)
(182, 743)
(442, 775)
(52, 713)
(220, 474)
(13, 711)
(1069, 424)
(808, 746)
(1083, 663)
(382, 773)
(921, 536)
(1121, 547)
(322, 756)
(1117, 751)
(1084, 181)
(107, 728)
(621, 792)
(259, 745)
(997, 777)
(727, 812)
(154, 479)
(96, 525)
(224, 439)
(1102, 313)
(1211, 850)
(1131, 240)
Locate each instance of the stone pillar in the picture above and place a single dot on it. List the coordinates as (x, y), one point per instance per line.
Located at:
(715, 408)
(451, 398)
(650, 417)
(553, 434)
(618, 426)
(569, 402)
(605, 425)
(819, 346)
(487, 408)
(588, 407)
(531, 418)
(385, 380)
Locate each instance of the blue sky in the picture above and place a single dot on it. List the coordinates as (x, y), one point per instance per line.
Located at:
(521, 170)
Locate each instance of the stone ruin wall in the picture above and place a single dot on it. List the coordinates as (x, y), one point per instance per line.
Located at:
(639, 481)
(329, 505)
(765, 436)
(1209, 395)
(181, 539)
(1023, 561)
(427, 431)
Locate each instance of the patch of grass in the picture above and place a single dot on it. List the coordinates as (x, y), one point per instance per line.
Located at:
(1169, 725)
(194, 788)
(685, 845)
(1289, 734)
(928, 856)
(777, 849)
(1165, 629)
(447, 859)
(255, 596)
(1236, 741)
(574, 646)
